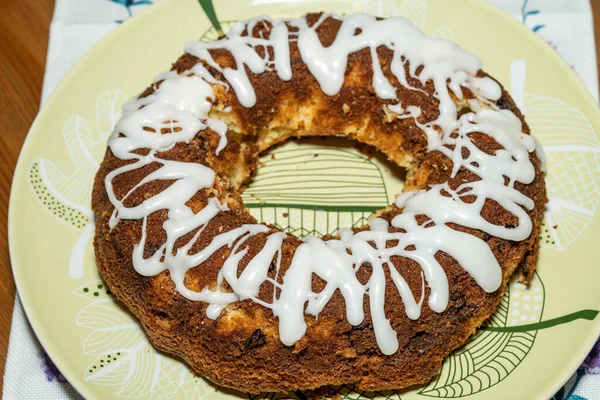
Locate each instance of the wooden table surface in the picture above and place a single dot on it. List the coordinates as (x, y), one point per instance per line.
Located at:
(23, 45)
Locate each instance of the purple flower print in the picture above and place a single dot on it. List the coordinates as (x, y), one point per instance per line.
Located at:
(52, 373)
(592, 361)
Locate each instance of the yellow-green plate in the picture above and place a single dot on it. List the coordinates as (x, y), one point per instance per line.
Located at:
(528, 349)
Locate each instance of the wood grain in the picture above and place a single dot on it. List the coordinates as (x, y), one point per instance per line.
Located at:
(23, 45)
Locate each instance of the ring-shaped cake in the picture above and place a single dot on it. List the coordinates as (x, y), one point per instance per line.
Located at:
(380, 307)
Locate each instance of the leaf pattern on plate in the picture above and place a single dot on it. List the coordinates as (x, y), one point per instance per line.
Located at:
(123, 356)
(573, 167)
(489, 357)
(66, 195)
(57, 207)
(314, 190)
(86, 149)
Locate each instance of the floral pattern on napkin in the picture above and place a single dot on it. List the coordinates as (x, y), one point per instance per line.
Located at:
(130, 5)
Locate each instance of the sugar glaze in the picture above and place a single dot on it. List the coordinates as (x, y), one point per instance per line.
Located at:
(182, 103)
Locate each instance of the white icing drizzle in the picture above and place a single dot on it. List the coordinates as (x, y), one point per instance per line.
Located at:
(182, 102)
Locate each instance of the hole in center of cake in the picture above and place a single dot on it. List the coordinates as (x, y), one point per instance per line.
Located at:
(317, 185)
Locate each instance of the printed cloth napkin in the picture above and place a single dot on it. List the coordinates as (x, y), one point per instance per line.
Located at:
(78, 24)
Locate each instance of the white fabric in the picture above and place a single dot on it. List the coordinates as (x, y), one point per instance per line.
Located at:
(568, 27)
(78, 24)
(25, 375)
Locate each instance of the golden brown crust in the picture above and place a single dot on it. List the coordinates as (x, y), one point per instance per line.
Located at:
(241, 348)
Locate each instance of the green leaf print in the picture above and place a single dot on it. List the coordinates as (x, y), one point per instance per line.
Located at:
(69, 214)
(491, 355)
(65, 191)
(314, 190)
(122, 355)
(213, 34)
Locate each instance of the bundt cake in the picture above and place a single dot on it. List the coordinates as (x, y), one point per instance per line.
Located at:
(252, 308)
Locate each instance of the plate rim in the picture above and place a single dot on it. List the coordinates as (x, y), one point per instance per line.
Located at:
(34, 131)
